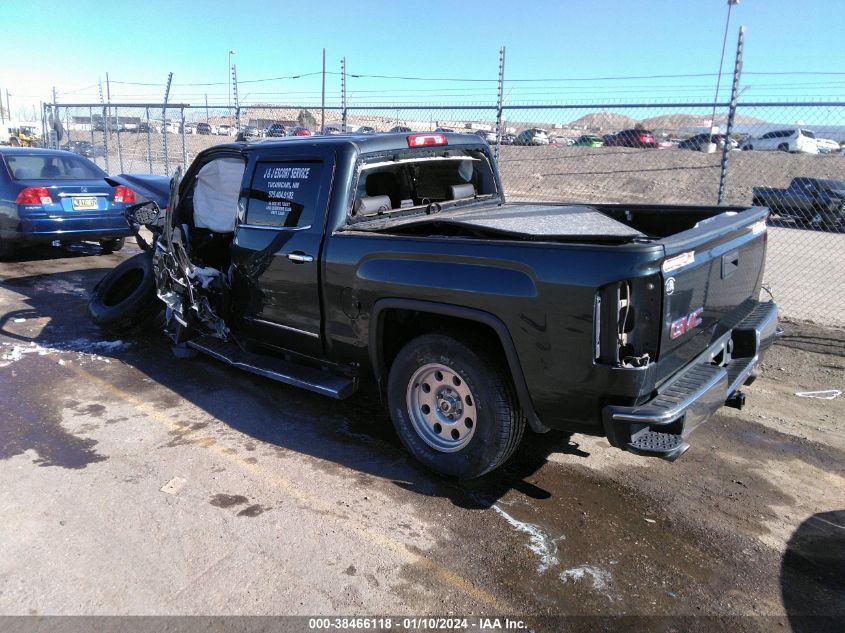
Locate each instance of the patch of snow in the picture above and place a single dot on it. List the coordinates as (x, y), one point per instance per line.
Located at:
(601, 578)
(85, 350)
(538, 541)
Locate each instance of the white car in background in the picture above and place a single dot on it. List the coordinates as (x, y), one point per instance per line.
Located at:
(827, 145)
(787, 140)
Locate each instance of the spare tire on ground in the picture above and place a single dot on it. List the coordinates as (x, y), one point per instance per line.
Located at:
(125, 301)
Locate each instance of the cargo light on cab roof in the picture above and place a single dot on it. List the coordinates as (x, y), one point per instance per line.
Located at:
(420, 140)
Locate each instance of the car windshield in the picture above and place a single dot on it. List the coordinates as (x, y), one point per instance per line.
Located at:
(411, 183)
(51, 167)
(808, 133)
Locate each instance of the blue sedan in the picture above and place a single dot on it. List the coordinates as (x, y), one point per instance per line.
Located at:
(48, 195)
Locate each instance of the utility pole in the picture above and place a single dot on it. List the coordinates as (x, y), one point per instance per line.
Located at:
(8, 105)
(323, 98)
(164, 122)
(105, 127)
(237, 103)
(228, 72)
(713, 129)
(500, 105)
(206, 108)
(343, 92)
(729, 126)
(3, 115)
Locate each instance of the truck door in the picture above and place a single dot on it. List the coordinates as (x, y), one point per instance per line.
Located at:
(277, 247)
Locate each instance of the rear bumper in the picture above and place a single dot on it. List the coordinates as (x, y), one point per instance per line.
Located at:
(696, 393)
(86, 228)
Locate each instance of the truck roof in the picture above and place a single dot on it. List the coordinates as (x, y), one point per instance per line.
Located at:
(366, 143)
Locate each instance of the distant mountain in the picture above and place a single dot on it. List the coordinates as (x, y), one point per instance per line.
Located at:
(603, 121)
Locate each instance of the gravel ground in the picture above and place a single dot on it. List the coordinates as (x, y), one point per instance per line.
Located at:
(138, 484)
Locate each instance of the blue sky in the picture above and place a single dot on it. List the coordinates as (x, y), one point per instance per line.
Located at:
(141, 42)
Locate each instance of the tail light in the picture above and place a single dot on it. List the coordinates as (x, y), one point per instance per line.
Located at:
(626, 321)
(124, 194)
(419, 140)
(34, 195)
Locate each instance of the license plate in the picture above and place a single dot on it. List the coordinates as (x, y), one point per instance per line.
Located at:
(84, 203)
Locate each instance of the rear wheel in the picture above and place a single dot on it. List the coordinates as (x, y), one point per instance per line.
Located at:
(112, 245)
(125, 300)
(453, 406)
(783, 147)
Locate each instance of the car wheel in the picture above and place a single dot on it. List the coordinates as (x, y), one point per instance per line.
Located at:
(125, 301)
(112, 245)
(748, 147)
(783, 147)
(453, 406)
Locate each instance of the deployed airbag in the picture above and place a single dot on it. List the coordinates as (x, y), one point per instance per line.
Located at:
(216, 195)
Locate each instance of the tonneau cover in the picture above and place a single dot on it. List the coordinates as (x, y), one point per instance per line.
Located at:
(531, 220)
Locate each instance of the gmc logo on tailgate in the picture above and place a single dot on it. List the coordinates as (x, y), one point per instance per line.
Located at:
(685, 324)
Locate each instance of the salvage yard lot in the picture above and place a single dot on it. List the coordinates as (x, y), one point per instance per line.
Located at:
(185, 487)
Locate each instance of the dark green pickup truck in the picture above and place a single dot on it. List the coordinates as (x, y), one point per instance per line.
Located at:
(328, 262)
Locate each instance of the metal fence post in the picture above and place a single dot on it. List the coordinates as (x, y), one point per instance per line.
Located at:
(91, 126)
(184, 145)
(164, 124)
(149, 143)
(106, 137)
(500, 101)
(726, 150)
(119, 146)
(343, 92)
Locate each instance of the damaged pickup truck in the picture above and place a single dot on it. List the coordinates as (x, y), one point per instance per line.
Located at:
(393, 258)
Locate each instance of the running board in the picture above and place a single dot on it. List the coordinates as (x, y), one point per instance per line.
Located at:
(277, 369)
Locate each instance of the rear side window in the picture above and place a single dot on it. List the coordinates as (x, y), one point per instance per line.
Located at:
(284, 194)
(51, 167)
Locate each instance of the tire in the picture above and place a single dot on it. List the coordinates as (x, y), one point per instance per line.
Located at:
(112, 245)
(783, 147)
(474, 384)
(125, 301)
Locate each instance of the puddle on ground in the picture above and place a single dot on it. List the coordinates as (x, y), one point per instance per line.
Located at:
(34, 422)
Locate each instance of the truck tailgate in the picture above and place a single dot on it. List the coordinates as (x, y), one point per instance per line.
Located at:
(710, 274)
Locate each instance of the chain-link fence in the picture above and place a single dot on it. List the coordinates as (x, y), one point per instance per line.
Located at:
(787, 156)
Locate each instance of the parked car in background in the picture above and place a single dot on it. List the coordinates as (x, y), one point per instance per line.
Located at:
(561, 140)
(145, 127)
(532, 136)
(401, 129)
(203, 129)
(787, 140)
(84, 148)
(299, 131)
(488, 136)
(276, 130)
(700, 140)
(224, 130)
(812, 201)
(250, 131)
(365, 129)
(630, 138)
(827, 145)
(443, 130)
(508, 139)
(588, 140)
(48, 194)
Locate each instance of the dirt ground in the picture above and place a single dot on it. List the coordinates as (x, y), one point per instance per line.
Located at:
(134, 483)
